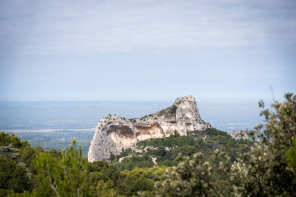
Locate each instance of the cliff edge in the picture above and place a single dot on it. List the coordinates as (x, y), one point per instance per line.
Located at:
(115, 133)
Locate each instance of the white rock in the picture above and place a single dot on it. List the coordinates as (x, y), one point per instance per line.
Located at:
(115, 133)
(239, 134)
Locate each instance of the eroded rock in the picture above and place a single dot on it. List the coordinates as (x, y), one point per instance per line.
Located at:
(239, 134)
(115, 133)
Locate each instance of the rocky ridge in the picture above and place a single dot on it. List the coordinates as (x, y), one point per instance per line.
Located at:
(115, 133)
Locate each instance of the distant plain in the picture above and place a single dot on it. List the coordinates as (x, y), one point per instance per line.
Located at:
(54, 124)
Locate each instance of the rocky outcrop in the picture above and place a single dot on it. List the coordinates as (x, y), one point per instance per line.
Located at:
(239, 134)
(115, 133)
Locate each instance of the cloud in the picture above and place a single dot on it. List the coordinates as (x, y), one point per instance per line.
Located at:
(121, 26)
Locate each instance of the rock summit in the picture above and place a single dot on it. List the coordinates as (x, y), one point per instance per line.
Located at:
(115, 133)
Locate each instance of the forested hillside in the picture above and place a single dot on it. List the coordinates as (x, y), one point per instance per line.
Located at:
(127, 174)
(205, 163)
(165, 151)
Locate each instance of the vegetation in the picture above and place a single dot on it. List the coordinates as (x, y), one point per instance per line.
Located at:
(66, 175)
(206, 163)
(166, 150)
(15, 164)
(265, 170)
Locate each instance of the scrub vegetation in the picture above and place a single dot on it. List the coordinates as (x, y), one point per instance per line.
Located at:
(205, 163)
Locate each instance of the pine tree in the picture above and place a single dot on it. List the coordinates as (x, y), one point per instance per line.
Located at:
(66, 176)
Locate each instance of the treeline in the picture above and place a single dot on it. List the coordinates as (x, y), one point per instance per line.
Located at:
(206, 163)
(28, 171)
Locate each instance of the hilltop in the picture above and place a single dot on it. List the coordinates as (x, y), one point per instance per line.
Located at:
(115, 133)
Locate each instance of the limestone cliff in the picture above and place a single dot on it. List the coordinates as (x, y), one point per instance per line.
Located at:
(115, 133)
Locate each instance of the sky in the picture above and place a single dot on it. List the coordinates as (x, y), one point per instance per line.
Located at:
(146, 50)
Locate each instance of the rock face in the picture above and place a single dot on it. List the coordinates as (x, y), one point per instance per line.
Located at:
(115, 133)
(239, 134)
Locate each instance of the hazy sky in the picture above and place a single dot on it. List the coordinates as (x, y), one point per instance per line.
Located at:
(146, 49)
